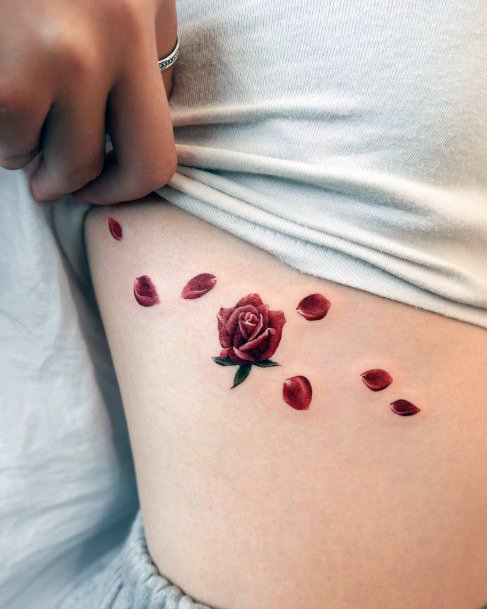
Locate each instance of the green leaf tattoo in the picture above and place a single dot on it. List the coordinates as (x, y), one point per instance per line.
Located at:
(241, 374)
(243, 369)
(267, 363)
(224, 362)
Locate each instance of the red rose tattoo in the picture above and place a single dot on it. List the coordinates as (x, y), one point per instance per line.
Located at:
(249, 334)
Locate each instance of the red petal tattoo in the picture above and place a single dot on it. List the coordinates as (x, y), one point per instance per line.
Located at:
(313, 307)
(404, 408)
(376, 379)
(297, 392)
(145, 291)
(115, 229)
(199, 286)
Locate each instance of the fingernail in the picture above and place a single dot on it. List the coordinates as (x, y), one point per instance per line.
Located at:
(37, 197)
(45, 199)
(42, 199)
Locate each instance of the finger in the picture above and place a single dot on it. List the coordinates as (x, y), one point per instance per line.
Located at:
(19, 160)
(166, 26)
(167, 77)
(73, 145)
(21, 123)
(139, 121)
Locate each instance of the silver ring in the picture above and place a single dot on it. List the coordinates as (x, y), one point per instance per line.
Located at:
(166, 62)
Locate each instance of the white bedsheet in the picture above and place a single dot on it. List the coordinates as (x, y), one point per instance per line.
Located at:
(67, 490)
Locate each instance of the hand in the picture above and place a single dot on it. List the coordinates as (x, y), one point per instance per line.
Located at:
(69, 71)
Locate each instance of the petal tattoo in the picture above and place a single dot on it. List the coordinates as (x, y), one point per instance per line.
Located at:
(198, 286)
(297, 392)
(313, 307)
(145, 291)
(115, 229)
(404, 408)
(376, 379)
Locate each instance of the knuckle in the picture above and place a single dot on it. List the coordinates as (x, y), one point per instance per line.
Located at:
(165, 172)
(129, 17)
(10, 165)
(79, 58)
(16, 161)
(72, 180)
(82, 175)
(70, 49)
(83, 60)
(155, 176)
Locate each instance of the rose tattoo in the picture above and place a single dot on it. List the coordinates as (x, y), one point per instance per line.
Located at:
(249, 334)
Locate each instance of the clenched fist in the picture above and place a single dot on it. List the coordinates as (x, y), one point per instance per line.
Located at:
(72, 71)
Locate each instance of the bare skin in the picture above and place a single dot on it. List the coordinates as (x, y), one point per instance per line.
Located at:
(68, 70)
(251, 504)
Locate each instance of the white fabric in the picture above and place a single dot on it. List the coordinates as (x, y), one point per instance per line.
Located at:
(348, 138)
(67, 490)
